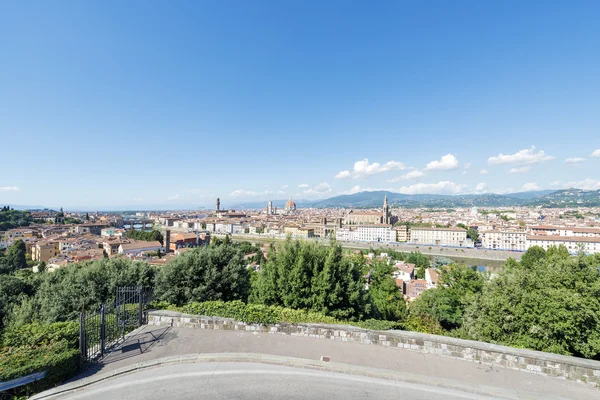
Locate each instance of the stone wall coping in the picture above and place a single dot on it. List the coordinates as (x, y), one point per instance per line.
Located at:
(551, 357)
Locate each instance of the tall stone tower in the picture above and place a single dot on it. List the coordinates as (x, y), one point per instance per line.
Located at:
(218, 204)
(386, 210)
(167, 240)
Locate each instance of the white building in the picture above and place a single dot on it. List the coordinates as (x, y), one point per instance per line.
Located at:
(504, 240)
(590, 245)
(432, 278)
(367, 233)
(223, 227)
(440, 237)
(140, 247)
(404, 271)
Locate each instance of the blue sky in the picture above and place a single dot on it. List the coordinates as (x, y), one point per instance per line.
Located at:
(147, 104)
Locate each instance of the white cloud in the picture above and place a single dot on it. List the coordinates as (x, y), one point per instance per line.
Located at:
(483, 172)
(504, 191)
(284, 187)
(343, 174)
(574, 160)
(174, 197)
(522, 157)
(138, 199)
(596, 153)
(415, 174)
(528, 187)
(355, 189)
(446, 163)
(586, 184)
(519, 170)
(481, 187)
(303, 185)
(464, 172)
(363, 169)
(320, 188)
(249, 193)
(9, 189)
(468, 165)
(443, 187)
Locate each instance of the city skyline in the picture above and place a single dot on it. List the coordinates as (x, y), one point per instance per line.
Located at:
(117, 105)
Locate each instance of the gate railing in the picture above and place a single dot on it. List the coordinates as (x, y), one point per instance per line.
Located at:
(102, 329)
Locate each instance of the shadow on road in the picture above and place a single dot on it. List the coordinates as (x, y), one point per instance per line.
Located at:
(133, 346)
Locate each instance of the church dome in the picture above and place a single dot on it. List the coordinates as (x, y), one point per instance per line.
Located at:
(290, 205)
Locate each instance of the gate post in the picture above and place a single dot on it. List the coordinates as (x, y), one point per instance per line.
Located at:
(141, 308)
(82, 349)
(102, 330)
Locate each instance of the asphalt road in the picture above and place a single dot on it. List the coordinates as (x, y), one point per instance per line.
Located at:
(251, 381)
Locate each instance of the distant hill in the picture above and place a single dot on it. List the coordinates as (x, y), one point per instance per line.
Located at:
(24, 207)
(545, 198)
(569, 198)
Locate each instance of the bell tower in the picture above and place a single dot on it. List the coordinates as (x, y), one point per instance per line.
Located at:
(218, 204)
(386, 210)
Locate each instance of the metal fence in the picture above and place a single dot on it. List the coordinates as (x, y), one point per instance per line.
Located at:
(102, 329)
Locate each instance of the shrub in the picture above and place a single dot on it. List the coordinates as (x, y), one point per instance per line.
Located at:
(40, 347)
(261, 314)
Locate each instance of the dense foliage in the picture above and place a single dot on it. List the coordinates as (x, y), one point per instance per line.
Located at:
(36, 348)
(149, 236)
(209, 273)
(446, 304)
(386, 299)
(10, 219)
(549, 302)
(258, 313)
(305, 275)
(61, 295)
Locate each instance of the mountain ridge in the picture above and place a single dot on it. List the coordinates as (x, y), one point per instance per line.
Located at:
(371, 199)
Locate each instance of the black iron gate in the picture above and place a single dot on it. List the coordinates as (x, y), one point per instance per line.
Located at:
(104, 328)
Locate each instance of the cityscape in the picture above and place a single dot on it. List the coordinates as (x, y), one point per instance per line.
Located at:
(324, 200)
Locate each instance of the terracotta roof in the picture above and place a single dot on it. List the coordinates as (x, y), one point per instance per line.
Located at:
(556, 238)
(140, 245)
(438, 229)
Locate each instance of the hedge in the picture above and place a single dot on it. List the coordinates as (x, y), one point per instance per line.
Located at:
(266, 315)
(40, 347)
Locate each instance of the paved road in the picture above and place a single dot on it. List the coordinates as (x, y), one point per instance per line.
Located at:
(251, 381)
(153, 342)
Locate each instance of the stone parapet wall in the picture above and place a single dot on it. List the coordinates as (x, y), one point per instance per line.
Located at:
(564, 367)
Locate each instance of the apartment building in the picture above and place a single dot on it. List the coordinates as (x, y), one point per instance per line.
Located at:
(367, 233)
(504, 240)
(43, 251)
(440, 237)
(589, 245)
(299, 232)
(402, 233)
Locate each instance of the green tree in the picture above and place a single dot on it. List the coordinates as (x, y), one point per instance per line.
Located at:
(314, 277)
(60, 295)
(421, 262)
(205, 273)
(546, 302)
(532, 256)
(385, 296)
(473, 234)
(446, 304)
(16, 255)
(12, 291)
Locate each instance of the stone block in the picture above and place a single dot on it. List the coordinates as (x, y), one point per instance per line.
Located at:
(534, 368)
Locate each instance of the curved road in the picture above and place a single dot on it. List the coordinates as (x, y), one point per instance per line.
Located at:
(253, 381)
